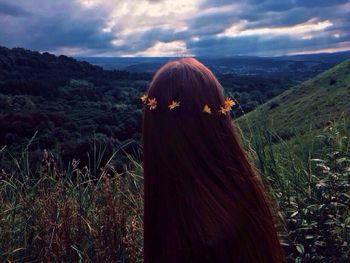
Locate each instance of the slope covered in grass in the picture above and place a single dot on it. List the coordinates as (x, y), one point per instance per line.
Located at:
(307, 107)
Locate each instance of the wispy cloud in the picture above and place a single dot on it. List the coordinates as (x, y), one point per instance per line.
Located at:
(304, 30)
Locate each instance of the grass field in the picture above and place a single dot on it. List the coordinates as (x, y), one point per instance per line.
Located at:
(306, 109)
(74, 215)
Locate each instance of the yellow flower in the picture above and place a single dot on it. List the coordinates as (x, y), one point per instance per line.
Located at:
(143, 97)
(222, 110)
(152, 103)
(206, 109)
(229, 103)
(174, 104)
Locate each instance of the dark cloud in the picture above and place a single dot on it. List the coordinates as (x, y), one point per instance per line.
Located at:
(216, 3)
(12, 10)
(274, 5)
(319, 3)
(214, 22)
(56, 26)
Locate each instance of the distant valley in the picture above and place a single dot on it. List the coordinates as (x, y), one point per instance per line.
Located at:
(305, 65)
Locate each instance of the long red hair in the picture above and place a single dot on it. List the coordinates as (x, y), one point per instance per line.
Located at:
(204, 202)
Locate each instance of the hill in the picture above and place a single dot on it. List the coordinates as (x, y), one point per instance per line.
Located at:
(29, 72)
(307, 107)
(72, 105)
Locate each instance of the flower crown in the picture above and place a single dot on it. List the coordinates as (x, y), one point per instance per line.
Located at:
(224, 109)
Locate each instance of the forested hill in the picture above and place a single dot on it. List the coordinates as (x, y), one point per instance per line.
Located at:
(70, 106)
(29, 72)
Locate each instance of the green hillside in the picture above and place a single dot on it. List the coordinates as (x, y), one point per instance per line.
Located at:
(305, 108)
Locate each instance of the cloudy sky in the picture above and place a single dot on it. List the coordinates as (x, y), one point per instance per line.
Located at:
(176, 27)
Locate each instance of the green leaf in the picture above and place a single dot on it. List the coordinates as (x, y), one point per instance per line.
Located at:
(329, 222)
(341, 160)
(294, 214)
(347, 221)
(300, 248)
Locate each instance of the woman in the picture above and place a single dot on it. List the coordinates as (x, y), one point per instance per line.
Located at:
(204, 202)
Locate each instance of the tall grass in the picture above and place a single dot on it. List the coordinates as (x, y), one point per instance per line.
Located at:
(94, 214)
(49, 215)
(308, 177)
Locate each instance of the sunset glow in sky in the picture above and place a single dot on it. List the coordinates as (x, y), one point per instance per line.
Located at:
(176, 28)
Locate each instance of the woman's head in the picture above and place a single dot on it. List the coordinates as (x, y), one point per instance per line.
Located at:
(196, 128)
(200, 189)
